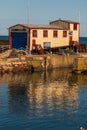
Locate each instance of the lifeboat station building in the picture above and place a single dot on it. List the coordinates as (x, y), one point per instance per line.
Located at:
(57, 34)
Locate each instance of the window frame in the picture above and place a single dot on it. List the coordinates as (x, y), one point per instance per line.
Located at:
(45, 33)
(64, 33)
(34, 33)
(75, 26)
(55, 33)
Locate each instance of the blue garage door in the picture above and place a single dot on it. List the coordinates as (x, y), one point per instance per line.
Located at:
(19, 40)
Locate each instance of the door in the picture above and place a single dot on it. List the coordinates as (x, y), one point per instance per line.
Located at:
(19, 40)
(70, 40)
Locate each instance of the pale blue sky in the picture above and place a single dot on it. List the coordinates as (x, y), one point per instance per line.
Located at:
(41, 12)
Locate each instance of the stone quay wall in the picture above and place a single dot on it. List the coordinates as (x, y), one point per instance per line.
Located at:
(36, 63)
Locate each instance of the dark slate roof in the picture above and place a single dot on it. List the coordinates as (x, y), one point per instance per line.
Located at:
(41, 26)
(68, 21)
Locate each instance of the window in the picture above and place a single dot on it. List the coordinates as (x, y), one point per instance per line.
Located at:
(55, 33)
(47, 44)
(45, 33)
(34, 33)
(75, 26)
(64, 33)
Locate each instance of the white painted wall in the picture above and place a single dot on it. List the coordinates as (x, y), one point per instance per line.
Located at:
(55, 42)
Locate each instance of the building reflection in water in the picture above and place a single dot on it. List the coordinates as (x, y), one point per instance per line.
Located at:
(54, 91)
(44, 92)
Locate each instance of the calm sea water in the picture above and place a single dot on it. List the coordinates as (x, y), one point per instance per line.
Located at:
(3, 37)
(54, 100)
(83, 40)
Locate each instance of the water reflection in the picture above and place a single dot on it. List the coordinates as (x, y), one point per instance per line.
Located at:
(44, 92)
(55, 91)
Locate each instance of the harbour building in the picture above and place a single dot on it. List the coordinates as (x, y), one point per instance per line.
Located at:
(57, 34)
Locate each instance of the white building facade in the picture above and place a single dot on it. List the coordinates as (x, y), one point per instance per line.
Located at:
(57, 34)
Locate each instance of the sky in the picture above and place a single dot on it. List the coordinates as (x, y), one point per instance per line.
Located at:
(14, 12)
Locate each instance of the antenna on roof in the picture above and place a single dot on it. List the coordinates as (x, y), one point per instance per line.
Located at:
(27, 11)
(79, 16)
